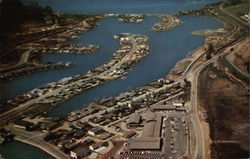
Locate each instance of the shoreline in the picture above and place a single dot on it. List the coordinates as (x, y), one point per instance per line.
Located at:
(44, 149)
(19, 139)
(95, 47)
(42, 145)
(119, 65)
(177, 64)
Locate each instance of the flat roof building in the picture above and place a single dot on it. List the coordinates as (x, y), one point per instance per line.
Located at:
(167, 108)
(129, 134)
(145, 143)
(95, 131)
(79, 152)
(150, 139)
(98, 145)
(163, 107)
(153, 124)
(22, 124)
(134, 120)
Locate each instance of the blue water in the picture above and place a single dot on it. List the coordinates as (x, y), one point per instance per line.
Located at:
(166, 49)
(123, 6)
(19, 150)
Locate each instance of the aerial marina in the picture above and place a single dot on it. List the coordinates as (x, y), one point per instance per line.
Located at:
(126, 85)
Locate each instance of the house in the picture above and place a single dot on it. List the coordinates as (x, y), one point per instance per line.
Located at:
(79, 134)
(95, 131)
(98, 145)
(178, 102)
(22, 124)
(129, 134)
(99, 119)
(163, 107)
(79, 152)
(81, 125)
(88, 142)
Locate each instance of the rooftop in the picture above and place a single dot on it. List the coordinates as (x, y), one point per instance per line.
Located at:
(153, 124)
(145, 143)
(134, 119)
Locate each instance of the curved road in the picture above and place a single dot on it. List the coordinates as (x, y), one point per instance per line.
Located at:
(193, 74)
(36, 139)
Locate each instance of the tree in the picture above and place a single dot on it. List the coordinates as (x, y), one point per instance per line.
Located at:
(48, 10)
(210, 50)
(232, 2)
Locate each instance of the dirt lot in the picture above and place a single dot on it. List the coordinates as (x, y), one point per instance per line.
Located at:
(179, 68)
(241, 56)
(227, 106)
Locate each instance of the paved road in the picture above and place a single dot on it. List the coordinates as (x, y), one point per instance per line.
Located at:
(193, 75)
(239, 20)
(189, 73)
(24, 57)
(200, 145)
(22, 60)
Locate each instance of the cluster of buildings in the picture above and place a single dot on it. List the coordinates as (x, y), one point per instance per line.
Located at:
(133, 45)
(27, 68)
(5, 135)
(67, 48)
(133, 48)
(80, 139)
(128, 102)
(175, 105)
(29, 124)
(56, 33)
(48, 38)
(168, 22)
(155, 135)
(130, 18)
(92, 129)
(85, 111)
(100, 121)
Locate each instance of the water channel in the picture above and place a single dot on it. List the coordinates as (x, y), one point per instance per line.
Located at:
(166, 49)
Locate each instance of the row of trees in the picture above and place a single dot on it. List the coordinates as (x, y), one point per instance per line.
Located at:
(232, 2)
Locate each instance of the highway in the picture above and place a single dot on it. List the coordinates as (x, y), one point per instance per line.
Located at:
(200, 145)
(192, 75)
(190, 66)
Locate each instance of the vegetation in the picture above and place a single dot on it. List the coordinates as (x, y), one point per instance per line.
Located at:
(239, 9)
(76, 16)
(232, 2)
(227, 106)
(13, 15)
(14, 12)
